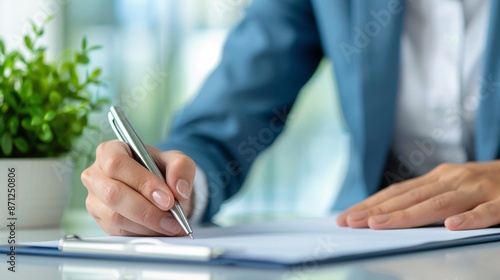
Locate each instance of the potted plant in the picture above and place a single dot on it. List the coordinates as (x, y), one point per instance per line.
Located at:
(44, 108)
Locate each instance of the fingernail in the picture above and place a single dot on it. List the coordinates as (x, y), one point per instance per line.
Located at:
(182, 188)
(170, 225)
(161, 198)
(358, 215)
(457, 220)
(380, 219)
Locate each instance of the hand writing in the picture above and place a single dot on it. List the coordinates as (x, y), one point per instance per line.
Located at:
(127, 199)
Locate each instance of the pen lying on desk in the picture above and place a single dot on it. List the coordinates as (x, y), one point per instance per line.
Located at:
(126, 133)
(139, 248)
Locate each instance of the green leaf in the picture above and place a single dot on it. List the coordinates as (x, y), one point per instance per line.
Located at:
(21, 144)
(5, 108)
(41, 49)
(11, 100)
(26, 90)
(82, 58)
(102, 101)
(6, 144)
(96, 73)
(46, 135)
(76, 127)
(2, 125)
(12, 58)
(84, 121)
(55, 98)
(47, 20)
(93, 48)
(84, 43)
(28, 43)
(35, 100)
(13, 124)
(26, 124)
(50, 115)
(2, 47)
(34, 28)
(36, 121)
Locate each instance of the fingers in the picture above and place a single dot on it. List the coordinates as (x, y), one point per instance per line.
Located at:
(465, 196)
(483, 216)
(115, 161)
(125, 202)
(127, 199)
(429, 211)
(359, 219)
(113, 223)
(384, 195)
(179, 172)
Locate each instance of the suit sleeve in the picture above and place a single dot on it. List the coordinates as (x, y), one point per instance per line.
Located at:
(243, 104)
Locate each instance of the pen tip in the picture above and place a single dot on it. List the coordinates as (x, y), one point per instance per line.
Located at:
(191, 235)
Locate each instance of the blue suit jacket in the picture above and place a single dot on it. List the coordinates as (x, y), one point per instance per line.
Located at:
(272, 53)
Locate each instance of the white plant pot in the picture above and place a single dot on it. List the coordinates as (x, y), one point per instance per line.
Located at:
(38, 194)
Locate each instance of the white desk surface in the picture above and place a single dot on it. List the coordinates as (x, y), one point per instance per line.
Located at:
(470, 262)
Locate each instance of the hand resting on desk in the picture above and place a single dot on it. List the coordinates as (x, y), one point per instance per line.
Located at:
(464, 196)
(127, 199)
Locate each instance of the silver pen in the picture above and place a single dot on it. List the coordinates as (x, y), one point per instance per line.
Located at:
(126, 133)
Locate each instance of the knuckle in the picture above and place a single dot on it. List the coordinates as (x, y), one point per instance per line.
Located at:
(116, 218)
(120, 232)
(405, 215)
(414, 196)
(492, 210)
(88, 203)
(85, 177)
(442, 202)
(443, 186)
(123, 232)
(443, 167)
(116, 231)
(488, 182)
(467, 172)
(381, 209)
(111, 165)
(146, 216)
(395, 189)
(111, 194)
(474, 216)
(100, 148)
(183, 161)
(483, 186)
(145, 183)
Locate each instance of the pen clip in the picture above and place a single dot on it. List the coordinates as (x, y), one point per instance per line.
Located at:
(125, 132)
(115, 127)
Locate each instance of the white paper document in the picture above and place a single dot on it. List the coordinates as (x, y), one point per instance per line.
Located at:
(316, 239)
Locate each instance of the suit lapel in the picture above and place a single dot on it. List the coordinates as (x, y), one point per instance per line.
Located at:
(362, 38)
(488, 115)
(380, 77)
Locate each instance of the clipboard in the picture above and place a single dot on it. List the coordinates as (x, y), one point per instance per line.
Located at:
(279, 244)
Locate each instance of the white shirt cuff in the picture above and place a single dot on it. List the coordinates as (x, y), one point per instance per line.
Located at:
(200, 196)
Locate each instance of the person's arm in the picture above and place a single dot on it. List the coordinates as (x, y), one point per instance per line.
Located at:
(243, 105)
